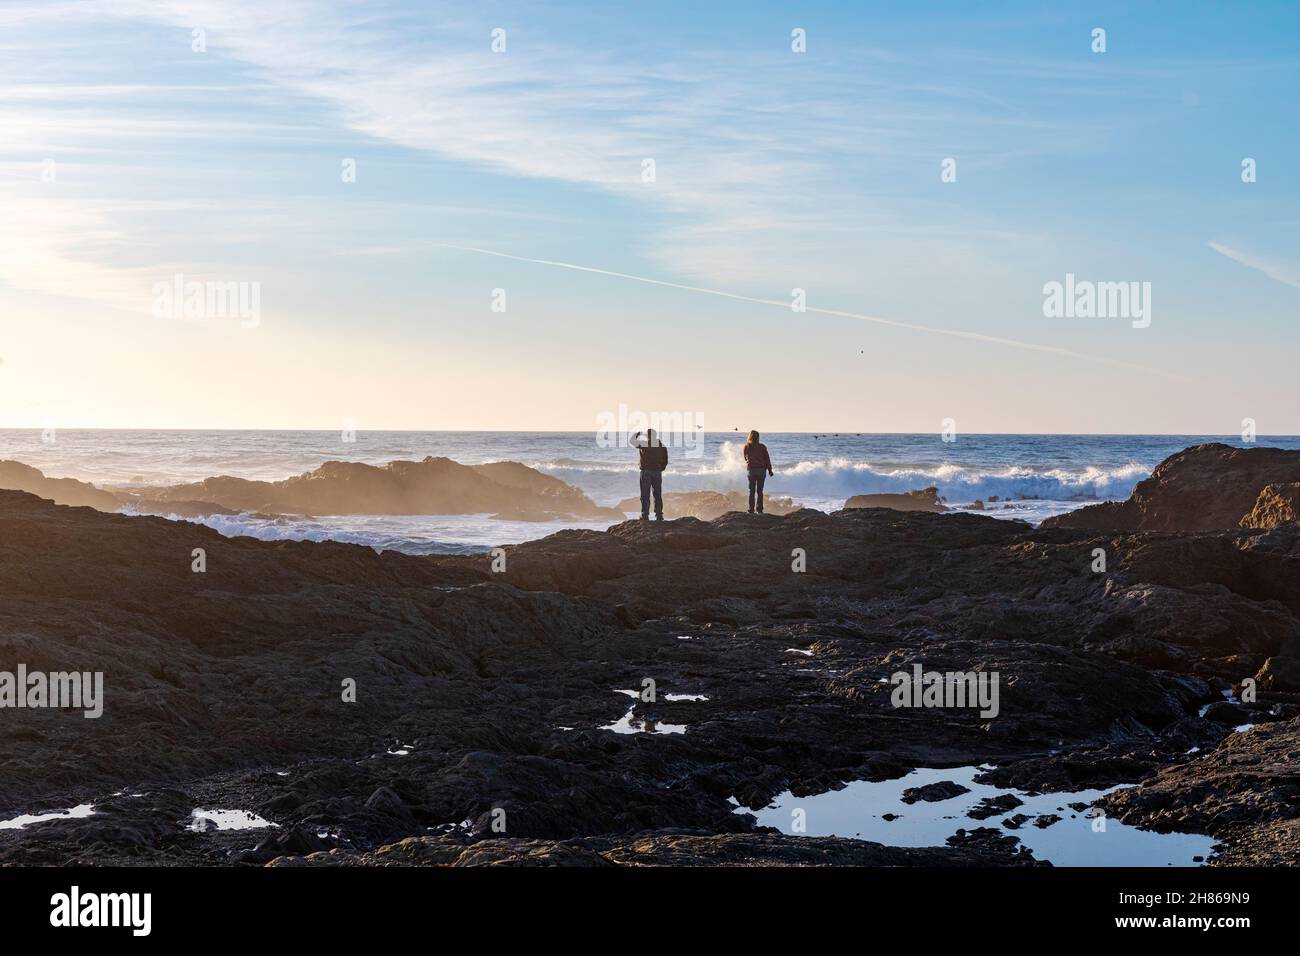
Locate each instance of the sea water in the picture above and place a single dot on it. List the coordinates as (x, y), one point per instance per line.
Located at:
(1038, 475)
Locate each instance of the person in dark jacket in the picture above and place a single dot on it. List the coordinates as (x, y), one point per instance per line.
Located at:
(759, 464)
(654, 459)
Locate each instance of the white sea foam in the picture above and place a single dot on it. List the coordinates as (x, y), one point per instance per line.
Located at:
(840, 478)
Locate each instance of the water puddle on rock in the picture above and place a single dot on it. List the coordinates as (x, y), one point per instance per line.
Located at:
(860, 809)
(27, 819)
(203, 820)
(629, 723)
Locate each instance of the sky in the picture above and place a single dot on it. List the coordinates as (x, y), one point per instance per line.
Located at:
(563, 209)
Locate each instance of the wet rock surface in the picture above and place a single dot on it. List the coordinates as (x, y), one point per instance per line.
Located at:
(476, 733)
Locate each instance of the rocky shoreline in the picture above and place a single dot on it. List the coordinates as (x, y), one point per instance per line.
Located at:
(481, 731)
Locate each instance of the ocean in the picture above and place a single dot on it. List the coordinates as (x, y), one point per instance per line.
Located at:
(1039, 475)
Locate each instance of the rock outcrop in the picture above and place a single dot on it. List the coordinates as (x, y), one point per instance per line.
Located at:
(16, 476)
(923, 499)
(1275, 505)
(1203, 488)
(431, 486)
(707, 505)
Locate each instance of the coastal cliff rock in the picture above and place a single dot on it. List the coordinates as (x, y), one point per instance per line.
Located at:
(1203, 488)
(16, 476)
(1275, 505)
(431, 486)
(923, 499)
(770, 642)
(707, 505)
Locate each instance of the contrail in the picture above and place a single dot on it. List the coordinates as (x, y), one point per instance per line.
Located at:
(785, 304)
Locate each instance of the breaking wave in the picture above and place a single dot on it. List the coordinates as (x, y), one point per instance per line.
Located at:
(842, 478)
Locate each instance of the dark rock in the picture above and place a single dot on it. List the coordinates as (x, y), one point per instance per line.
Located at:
(1279, 674)
(992, 806)
(707, 505)
(1244, 792)
(672, 848)
(932, 792)
(1203, 488)
(1231, 715)
(64, 491)
(431, 486)
(924, 499)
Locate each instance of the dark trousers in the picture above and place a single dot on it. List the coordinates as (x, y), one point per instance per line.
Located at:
(756, 478)
(652, 481)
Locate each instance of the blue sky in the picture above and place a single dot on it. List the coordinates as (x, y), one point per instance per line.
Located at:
(775, 170)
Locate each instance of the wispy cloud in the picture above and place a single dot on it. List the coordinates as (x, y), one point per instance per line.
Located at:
(837, 313)
(755, 152)
(1287, 273)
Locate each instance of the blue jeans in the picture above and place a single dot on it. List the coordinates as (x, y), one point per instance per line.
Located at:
(652, 481)
(756, 478)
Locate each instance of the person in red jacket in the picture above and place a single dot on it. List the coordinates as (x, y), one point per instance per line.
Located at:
(760, 466)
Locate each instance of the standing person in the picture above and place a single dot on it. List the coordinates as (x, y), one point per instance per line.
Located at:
(760, 466)
(654, 459)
